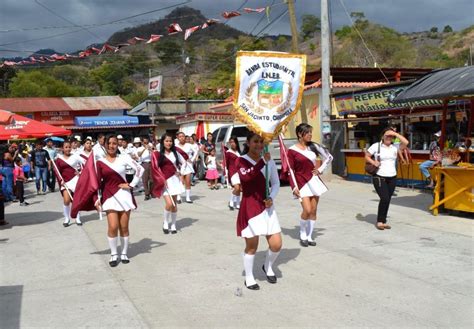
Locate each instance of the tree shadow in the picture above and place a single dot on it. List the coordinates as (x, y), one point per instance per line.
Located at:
(144, 246)
(371, 218)
(295, 232)
(10, 312)
(286, 255)
(185, 222)
(91, 216)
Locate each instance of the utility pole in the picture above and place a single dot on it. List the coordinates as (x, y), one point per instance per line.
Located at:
(294, 27)
(325, 104)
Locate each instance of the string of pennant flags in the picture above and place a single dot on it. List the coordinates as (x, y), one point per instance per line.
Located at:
(172, 29)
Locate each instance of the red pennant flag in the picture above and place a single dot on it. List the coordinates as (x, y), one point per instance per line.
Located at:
(256, 10)
(285, 164)
(70, 56)
(121, 45)
(49, 59)
(209, 22)
(224, 160)
(190, 31)
(96, 50)
(33, 60)
(159, 180)
(106, 48)
(174, 28)
(58, 57)
(9, 63)
(87, 186)
(154, 38)
(135, 40)
(230, 14)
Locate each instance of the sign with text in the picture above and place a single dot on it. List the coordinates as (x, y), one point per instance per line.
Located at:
(105, 121)
(154, 85)
(209, 117)
(268, 90)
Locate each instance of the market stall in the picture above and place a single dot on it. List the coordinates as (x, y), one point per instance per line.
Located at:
(455, 178)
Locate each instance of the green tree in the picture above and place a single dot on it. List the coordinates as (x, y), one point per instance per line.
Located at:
(39, 84)
(434, 29)
(447, 29)
(310, 24)
(169, 51)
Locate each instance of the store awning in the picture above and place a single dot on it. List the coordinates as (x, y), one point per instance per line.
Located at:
(140, 126)
(23, 127)
(440, 84)
(98, 121)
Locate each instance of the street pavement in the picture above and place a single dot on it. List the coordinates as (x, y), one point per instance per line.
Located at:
(418, 274)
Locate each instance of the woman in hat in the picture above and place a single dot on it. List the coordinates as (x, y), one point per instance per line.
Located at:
(257, 215)
(302, 158)
(117, 198)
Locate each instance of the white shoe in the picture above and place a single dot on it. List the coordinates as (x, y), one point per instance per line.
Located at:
(78, 220)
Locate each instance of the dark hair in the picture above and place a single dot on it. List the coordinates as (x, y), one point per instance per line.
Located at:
(250, 135)
(85, 141)
(234, 138)
(303, 129)
(107, 140)
(67, 141)
(384, 131)
(172, 149)
(99, 136)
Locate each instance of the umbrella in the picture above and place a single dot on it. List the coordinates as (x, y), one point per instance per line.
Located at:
(55, 139)
(6, 117)
(23, 127)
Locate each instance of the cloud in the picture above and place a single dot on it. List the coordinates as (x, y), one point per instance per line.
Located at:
(402, 15)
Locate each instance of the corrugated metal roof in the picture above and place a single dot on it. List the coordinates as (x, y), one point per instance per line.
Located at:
(97, 103)
(346, 84)
(34, 104)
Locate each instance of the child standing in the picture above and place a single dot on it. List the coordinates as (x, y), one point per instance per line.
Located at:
(19, 181)
(212, 174)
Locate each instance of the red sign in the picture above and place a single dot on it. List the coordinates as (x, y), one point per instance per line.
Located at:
(62, 118)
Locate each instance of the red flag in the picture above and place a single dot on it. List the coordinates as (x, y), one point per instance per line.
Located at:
(230, 14)
(256, 10)
(106, 47)
(190, 31)
(154, 38)
(121, 45)
(159, 180)
(87, 186)
(174, 28)
(209, 22)
(224, 162)
(285, 166)
(58, 57)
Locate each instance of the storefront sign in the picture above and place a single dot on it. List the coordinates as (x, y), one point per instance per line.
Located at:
(105, 121)
(209, 117)
(154, 85)
(375, 100)
(61, 118)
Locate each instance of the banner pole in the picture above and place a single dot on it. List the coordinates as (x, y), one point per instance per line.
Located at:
(267, 181)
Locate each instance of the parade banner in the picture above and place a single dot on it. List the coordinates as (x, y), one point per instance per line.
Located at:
(268, 90)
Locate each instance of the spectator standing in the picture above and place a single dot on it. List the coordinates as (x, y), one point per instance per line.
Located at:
(7, 172)
(41, 163)
(19, 181)
(51, 177)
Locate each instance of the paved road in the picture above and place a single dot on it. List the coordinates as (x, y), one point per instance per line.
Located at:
(419, 274)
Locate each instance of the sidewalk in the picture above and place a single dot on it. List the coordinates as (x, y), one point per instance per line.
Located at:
(417, 274)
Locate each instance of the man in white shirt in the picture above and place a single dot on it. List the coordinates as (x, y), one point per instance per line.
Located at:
(144, 152)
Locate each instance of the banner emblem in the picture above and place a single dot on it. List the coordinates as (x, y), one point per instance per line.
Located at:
(269, 89)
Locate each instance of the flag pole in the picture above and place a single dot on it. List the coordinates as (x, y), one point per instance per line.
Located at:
(267, 181)
(224, 163)
(292, 173)
(62, 179)
(99, 194)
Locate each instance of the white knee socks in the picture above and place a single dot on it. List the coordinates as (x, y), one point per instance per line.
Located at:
(310, 229)
(173, 221)
(78, 219)
(231, 201)
(236, 201)
(113, 245)
(124, 244)
(269, 260)
(67, 211)
(248, 267)
(303, 235)
(188, 195)
(166, 219)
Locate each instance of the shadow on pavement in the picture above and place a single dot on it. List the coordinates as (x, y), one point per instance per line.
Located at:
(10, 310)
(295, 232)
(422, 201)
(185, 222)
(285, 256)
(144, 246)
(40, 217)
(371, 218)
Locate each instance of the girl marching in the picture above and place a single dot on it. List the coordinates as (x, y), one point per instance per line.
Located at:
(231, 157)
(257, 215)
(86, 149)
(170, 162)
(186, 151)
(67, 166)
(309, 187)
(117, 198)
